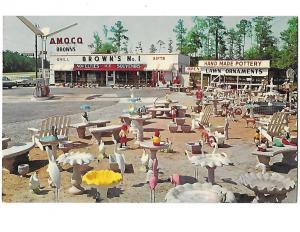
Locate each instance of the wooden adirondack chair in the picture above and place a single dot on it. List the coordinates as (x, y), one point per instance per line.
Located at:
(203, 119)
(61, 123)
(274, 127)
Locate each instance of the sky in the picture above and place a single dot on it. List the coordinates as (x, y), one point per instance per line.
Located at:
(148, 29)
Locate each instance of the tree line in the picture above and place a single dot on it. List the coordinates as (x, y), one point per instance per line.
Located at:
(16, 62)
(208, 38)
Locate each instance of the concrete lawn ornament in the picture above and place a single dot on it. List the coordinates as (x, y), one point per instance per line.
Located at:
(169, 149)
(34, 183)
(102, 149)
(156, 138)
(123, 136)
(145, 161)
(175, 179)
(153, 181)
(54, 173)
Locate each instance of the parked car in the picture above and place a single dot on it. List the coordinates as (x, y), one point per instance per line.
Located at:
(25, 81)
(7, 83)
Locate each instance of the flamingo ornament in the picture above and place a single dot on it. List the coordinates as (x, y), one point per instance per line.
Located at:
(153, 180)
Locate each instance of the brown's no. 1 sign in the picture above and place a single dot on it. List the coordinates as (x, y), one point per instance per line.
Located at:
(192, 69)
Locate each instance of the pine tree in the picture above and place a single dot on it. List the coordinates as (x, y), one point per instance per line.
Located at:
(180, 31)
(119, 36)
(152, 49)
(170, 46)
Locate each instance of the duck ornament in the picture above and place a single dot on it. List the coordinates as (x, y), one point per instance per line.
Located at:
(34, 183)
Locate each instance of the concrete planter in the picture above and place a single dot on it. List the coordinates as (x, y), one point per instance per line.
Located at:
(186, 128)
(194, 148)
(173, 128)
(23, 169)
(180, 121)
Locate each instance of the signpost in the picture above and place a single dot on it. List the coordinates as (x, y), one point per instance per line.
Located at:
(195, 70)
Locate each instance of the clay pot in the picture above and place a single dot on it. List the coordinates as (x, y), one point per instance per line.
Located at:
(173, 128)
(186, 128)
(23, 169)
(180, 121)
(195, 148)
(181, 112)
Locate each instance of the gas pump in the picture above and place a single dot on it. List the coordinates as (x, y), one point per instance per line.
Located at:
(42, 87)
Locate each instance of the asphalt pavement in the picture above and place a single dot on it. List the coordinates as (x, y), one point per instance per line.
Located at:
(20, 111)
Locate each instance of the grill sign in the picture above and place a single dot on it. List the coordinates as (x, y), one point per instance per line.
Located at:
(66, 44)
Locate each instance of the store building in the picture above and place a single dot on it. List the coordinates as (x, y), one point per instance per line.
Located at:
(236, 73)
(111, 69)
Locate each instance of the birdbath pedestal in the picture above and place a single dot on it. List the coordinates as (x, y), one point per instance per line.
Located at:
(76, 159)
(51, 141)
(137, 123)
(211, 162)
(268, 187)
(153, 149)
(199, 193)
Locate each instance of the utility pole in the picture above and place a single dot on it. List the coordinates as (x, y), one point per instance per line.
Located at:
(36, 58)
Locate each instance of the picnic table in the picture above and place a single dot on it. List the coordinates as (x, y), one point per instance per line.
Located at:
(289, 155)
(100, 131)
(80, 127)
(153, 111)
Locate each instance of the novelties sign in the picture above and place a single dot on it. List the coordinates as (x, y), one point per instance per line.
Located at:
(109, 67)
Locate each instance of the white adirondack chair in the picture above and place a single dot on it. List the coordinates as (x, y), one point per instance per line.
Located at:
(61, 123)
(203, 119)
(274, 127)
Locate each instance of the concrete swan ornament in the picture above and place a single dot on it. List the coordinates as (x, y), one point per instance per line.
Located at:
(53, 171)
(102, 149)
(145, 160)
(118, 158)
(34, 183)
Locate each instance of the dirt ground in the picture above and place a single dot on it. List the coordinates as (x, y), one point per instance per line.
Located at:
(238, 148)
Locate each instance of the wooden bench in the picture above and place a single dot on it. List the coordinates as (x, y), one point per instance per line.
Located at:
(100, 131)
(15, 155)
(289, 155)
(80, 127)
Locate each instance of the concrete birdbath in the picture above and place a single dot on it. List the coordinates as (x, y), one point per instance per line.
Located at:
(211, 162)
(268, 187)
(199, 193)
(153, 149)
(137, 126)
(102, 180)
(76, 159)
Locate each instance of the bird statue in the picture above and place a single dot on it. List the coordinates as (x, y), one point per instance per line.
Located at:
(145, 160)
(169, 146)
(175, 179)
(153, 180)
(53, 171)
(215, 146)
(193, 159)
(34, 183)
(120, 158)
(102, 149)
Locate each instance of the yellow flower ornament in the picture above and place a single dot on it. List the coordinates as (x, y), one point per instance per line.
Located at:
(103, 178)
